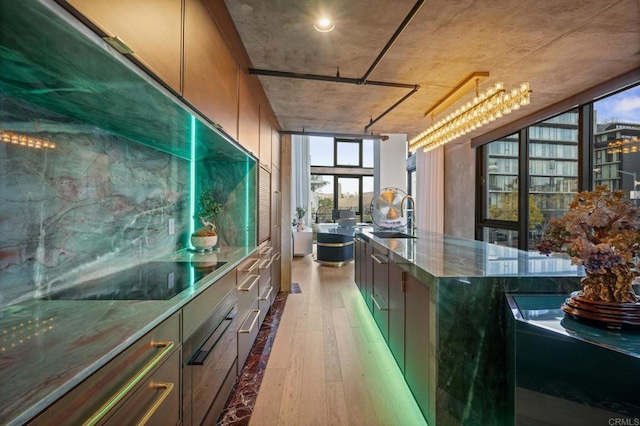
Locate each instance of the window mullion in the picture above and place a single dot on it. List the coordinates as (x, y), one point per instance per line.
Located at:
(523, 189)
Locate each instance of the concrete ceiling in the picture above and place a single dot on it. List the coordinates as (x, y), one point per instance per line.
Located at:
(561, 47)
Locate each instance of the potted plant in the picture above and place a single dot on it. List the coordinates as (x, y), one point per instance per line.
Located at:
(601, 231)
(301, 211)
(206, 237)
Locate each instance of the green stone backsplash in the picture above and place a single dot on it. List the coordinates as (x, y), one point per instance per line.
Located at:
(94, 204)
(128, 155)
(233, 185)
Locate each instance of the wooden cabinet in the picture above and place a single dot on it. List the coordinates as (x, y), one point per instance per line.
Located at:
(417, 353)
(276, 235)
(265, 289)
(396, 313)
(276, 146)
(142, 382)
(248, 118)
(248, 274)
(380, 293)
(367, 275)
(265, 136)
(152, 29)
(210, 350)
(210, 72)
(264, 204)
(357, 257)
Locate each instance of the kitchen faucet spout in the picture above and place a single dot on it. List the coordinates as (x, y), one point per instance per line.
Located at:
(410, 217)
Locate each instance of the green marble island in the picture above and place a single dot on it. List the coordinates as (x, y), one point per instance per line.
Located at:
(464, 356)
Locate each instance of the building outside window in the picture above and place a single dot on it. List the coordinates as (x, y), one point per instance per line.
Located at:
(341, 177)
(616, 142)
(543, 183)
(550, 174)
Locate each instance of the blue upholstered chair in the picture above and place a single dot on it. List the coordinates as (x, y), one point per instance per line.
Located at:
(334, 249)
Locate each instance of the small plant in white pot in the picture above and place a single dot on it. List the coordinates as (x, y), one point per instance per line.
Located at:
(301, 211)
(206, 237)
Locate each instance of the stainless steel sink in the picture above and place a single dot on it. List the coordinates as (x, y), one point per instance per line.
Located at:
(391, 234)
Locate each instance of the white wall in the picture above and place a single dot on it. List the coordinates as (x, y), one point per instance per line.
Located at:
(390, 158)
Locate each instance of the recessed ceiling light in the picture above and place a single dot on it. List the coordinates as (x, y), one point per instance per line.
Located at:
(324, 25)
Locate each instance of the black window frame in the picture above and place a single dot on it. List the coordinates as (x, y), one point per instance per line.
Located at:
(346, 171)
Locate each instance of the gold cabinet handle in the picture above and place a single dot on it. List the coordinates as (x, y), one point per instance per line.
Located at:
(266, 296)
(124, 391)
(244, 287)
(373, 296)
(250, 268)
(268, 266)
(266, 251)
(382, 260)
(168, 387)
(248, 330)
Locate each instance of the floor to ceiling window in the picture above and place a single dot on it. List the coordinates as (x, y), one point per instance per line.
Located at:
(616, 142)
(412, 176)
(528, 178)
(500, 212)
(553, 171)
(341, 177)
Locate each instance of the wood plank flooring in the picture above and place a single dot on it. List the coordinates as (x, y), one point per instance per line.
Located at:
(329, 364)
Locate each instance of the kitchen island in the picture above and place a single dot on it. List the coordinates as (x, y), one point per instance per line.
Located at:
(51, 346)
(439, 301)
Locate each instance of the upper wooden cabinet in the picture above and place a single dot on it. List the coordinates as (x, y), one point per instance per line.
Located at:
(275, 148)
(265, 136)
(249, 118)
(210, 72)
(151, 28)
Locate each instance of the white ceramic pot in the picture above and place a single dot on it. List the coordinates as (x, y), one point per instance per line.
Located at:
(204, 261)
(203, 243)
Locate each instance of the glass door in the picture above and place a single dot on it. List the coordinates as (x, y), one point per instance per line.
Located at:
(348, 195)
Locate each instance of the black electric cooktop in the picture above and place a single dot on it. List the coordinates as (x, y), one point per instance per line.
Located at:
(149, 281)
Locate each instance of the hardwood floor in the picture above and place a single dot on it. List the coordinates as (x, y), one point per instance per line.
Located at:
(329, 364)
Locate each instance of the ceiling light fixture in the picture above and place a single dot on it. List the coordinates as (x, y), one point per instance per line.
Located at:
(485, 108)
(464, 87)
(324, 25)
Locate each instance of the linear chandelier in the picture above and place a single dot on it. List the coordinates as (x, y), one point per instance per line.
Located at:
(492, 104)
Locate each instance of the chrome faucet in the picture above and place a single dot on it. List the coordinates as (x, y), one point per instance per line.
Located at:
(410, 217)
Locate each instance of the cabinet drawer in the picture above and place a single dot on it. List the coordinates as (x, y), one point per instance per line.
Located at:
(206, 372)
(248, 267)
(264, 303)
(247, 334)
(265, 274)
(275, 275)
(127, 370)
(157, 401)
(265, 252)
(201, 308)
(248, 292)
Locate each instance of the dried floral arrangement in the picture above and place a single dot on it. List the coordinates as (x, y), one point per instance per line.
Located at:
(601, 232)
(208, 209)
